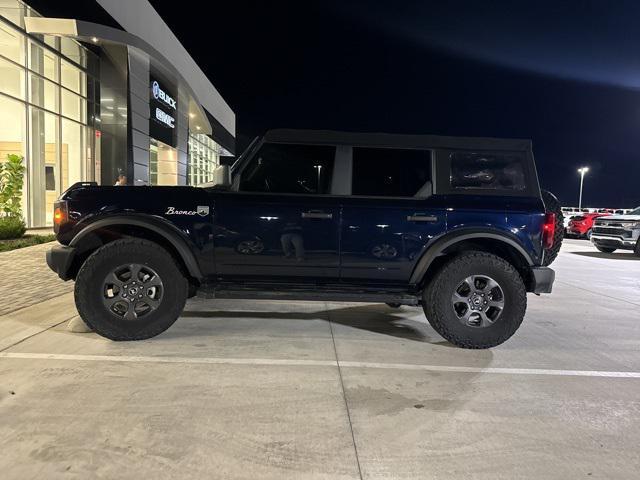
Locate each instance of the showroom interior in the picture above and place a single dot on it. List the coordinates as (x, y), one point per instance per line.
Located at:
(84, 101)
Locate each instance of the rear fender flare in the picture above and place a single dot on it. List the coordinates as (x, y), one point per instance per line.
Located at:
(439, 246)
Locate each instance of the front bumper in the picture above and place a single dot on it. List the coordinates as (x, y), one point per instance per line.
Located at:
(60, 259)
(614, 242)
(542, 279)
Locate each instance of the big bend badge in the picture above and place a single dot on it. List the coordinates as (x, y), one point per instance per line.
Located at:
(203, 210)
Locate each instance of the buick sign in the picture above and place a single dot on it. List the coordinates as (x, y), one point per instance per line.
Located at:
(160, 94)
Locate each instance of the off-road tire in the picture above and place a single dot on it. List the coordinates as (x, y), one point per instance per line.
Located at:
(552, 205)
(637, 249)
(436, 300)
(90, 284)
(606, 249)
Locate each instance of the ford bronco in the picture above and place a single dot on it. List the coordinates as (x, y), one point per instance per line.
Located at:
(458, 226)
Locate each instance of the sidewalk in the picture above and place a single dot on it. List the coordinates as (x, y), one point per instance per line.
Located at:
(25, 278)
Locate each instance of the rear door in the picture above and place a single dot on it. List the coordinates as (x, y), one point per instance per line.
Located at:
(282, 224)
(390, 216)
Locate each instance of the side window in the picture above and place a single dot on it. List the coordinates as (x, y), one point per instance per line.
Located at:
(390, 172)
(487, 171)
(283, 168)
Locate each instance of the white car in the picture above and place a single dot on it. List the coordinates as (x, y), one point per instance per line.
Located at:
(615, 232)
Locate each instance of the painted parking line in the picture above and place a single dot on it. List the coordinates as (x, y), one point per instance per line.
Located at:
(318, 363)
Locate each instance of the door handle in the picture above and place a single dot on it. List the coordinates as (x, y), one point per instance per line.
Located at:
(416, 217)
(320, 215)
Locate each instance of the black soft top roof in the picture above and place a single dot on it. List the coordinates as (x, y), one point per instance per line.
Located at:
(392, 140)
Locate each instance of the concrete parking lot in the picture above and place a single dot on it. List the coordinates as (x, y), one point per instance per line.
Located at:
(283, 390)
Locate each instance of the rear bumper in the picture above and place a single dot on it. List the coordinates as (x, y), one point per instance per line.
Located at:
(542, 279)
(577, 231)
(60, 258)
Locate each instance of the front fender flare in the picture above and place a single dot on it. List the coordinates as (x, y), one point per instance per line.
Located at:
(168, 231)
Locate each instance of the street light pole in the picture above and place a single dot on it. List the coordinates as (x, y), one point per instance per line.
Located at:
(582, 171)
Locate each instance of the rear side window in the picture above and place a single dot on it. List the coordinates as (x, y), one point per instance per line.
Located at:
(487, 171)
(283, 168)
(388, 172)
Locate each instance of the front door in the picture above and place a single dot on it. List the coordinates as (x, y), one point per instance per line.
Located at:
(276, 237)
(282, 224)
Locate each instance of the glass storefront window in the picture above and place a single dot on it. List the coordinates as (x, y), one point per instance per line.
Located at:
(73, 78)
(74, 106)
(73, 50)
(163, 164)
(12, 134)
(43, 61)
(12, 10)
(43, 93)
(12, 137)
(11, 79)
(44, 146)
(204, 157)
(73, 158)
(37, 86)
(11, 43)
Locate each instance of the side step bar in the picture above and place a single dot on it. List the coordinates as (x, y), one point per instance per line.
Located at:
(309, 293)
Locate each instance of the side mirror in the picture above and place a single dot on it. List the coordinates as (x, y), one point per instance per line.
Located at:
(222, 177)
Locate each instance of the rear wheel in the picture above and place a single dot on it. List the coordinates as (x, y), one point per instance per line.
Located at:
(130, 289)
(552, 205)
(606, 249)
(476, 300)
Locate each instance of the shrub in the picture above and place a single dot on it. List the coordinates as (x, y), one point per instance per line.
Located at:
(11, 181)
(11, 227)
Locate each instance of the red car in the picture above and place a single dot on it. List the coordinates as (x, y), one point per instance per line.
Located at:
(580, 225)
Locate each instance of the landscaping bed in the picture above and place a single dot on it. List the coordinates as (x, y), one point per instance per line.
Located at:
(25, 241)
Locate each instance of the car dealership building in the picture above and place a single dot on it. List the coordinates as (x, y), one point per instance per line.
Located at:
(85, 101)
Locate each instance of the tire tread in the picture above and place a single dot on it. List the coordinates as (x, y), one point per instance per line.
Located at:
(434, 290)
(84, 302)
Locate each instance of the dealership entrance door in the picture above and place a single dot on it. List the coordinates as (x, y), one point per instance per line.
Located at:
(163, 164)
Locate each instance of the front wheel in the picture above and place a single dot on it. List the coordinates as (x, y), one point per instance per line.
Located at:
(606, 249)
(476, 300)
(130, 289)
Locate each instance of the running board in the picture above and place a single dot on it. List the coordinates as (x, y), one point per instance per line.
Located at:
(322, 293)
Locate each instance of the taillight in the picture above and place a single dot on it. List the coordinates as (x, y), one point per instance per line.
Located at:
(548, 230)
(59, 215)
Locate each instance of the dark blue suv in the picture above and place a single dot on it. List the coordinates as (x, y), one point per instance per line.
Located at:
(456, 225)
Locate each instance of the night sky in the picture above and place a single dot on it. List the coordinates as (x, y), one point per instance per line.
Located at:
(565, 76)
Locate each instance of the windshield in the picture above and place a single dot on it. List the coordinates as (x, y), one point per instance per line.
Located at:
(635, 211)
